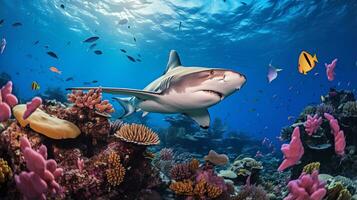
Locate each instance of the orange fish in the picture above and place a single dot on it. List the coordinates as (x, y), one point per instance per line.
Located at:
(55, 70)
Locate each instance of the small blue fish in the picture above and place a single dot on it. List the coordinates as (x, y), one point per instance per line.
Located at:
(3, 45)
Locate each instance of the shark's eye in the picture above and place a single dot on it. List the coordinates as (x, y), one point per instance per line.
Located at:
(211, 72)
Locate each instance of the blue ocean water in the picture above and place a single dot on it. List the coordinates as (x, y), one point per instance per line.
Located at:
(241, 35)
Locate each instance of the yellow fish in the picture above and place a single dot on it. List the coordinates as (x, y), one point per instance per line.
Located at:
(306, 62)
(35, 85)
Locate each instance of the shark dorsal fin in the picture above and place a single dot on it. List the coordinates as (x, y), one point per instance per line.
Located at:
(174, 61)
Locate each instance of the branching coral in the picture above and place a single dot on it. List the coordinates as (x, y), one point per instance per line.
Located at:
(138, 134)
(182, 187)
(116, 172)
(312, 124)
(166, 154)
(180, 172)
(91, 100)
(5, 171)
(337, 191)
(194, 165)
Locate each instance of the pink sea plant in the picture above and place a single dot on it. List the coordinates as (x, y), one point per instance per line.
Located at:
(32, 106)
(312, 124)
(7, 100)
(42, 175)
(330, 70)
(293, 151)
(340, 142)
(307, 187)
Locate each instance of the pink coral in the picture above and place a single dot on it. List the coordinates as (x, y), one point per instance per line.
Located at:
(7, 100)
(312, 124)
(340, 142)
(32, 106)
(211, 178)
(307, 187)
(293, 151)
(330, 70)
(92, 100)
(42, 174)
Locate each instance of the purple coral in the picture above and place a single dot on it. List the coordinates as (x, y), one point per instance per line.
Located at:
(312, 124)
(42, 175)
(307, 187)
(210, 177)
(166, 154)
(180, 171)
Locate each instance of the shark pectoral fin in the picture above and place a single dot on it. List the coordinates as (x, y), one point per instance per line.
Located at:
(141, 94)
(200, 116)
(127, 106)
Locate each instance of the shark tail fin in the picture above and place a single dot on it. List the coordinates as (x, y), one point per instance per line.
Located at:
(127, 106)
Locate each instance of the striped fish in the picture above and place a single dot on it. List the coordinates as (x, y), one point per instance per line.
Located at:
(35, 85)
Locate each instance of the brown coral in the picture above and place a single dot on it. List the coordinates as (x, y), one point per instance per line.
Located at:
(182, 187)
(5, 171)
(216, 159)
(213, 191)
(116, 172)
(194, 165)
(200, 188)
(138, 134)
(309, 168)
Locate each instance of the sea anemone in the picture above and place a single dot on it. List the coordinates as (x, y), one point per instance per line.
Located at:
(138, 134)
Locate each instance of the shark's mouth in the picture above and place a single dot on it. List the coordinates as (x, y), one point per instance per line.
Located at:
(218, 94)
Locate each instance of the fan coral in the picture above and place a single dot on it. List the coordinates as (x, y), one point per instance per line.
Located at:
(138, 134)
(116, 172)
(42, 176)
(293, 151)
(5, 171)
(116, 125)
(312, 124)
(182, 187)
(166, 154)
(180, 172)
(309, 168)
(308, 187)
(216, 159)
(91, 100)
(251, 192)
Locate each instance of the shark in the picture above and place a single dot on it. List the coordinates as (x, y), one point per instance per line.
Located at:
(180, 89)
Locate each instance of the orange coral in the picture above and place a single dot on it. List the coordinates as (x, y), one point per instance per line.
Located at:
(116, 172)
(194, 164)
(200, 188)
(213, 191)
(182, 187)
(138, 134)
